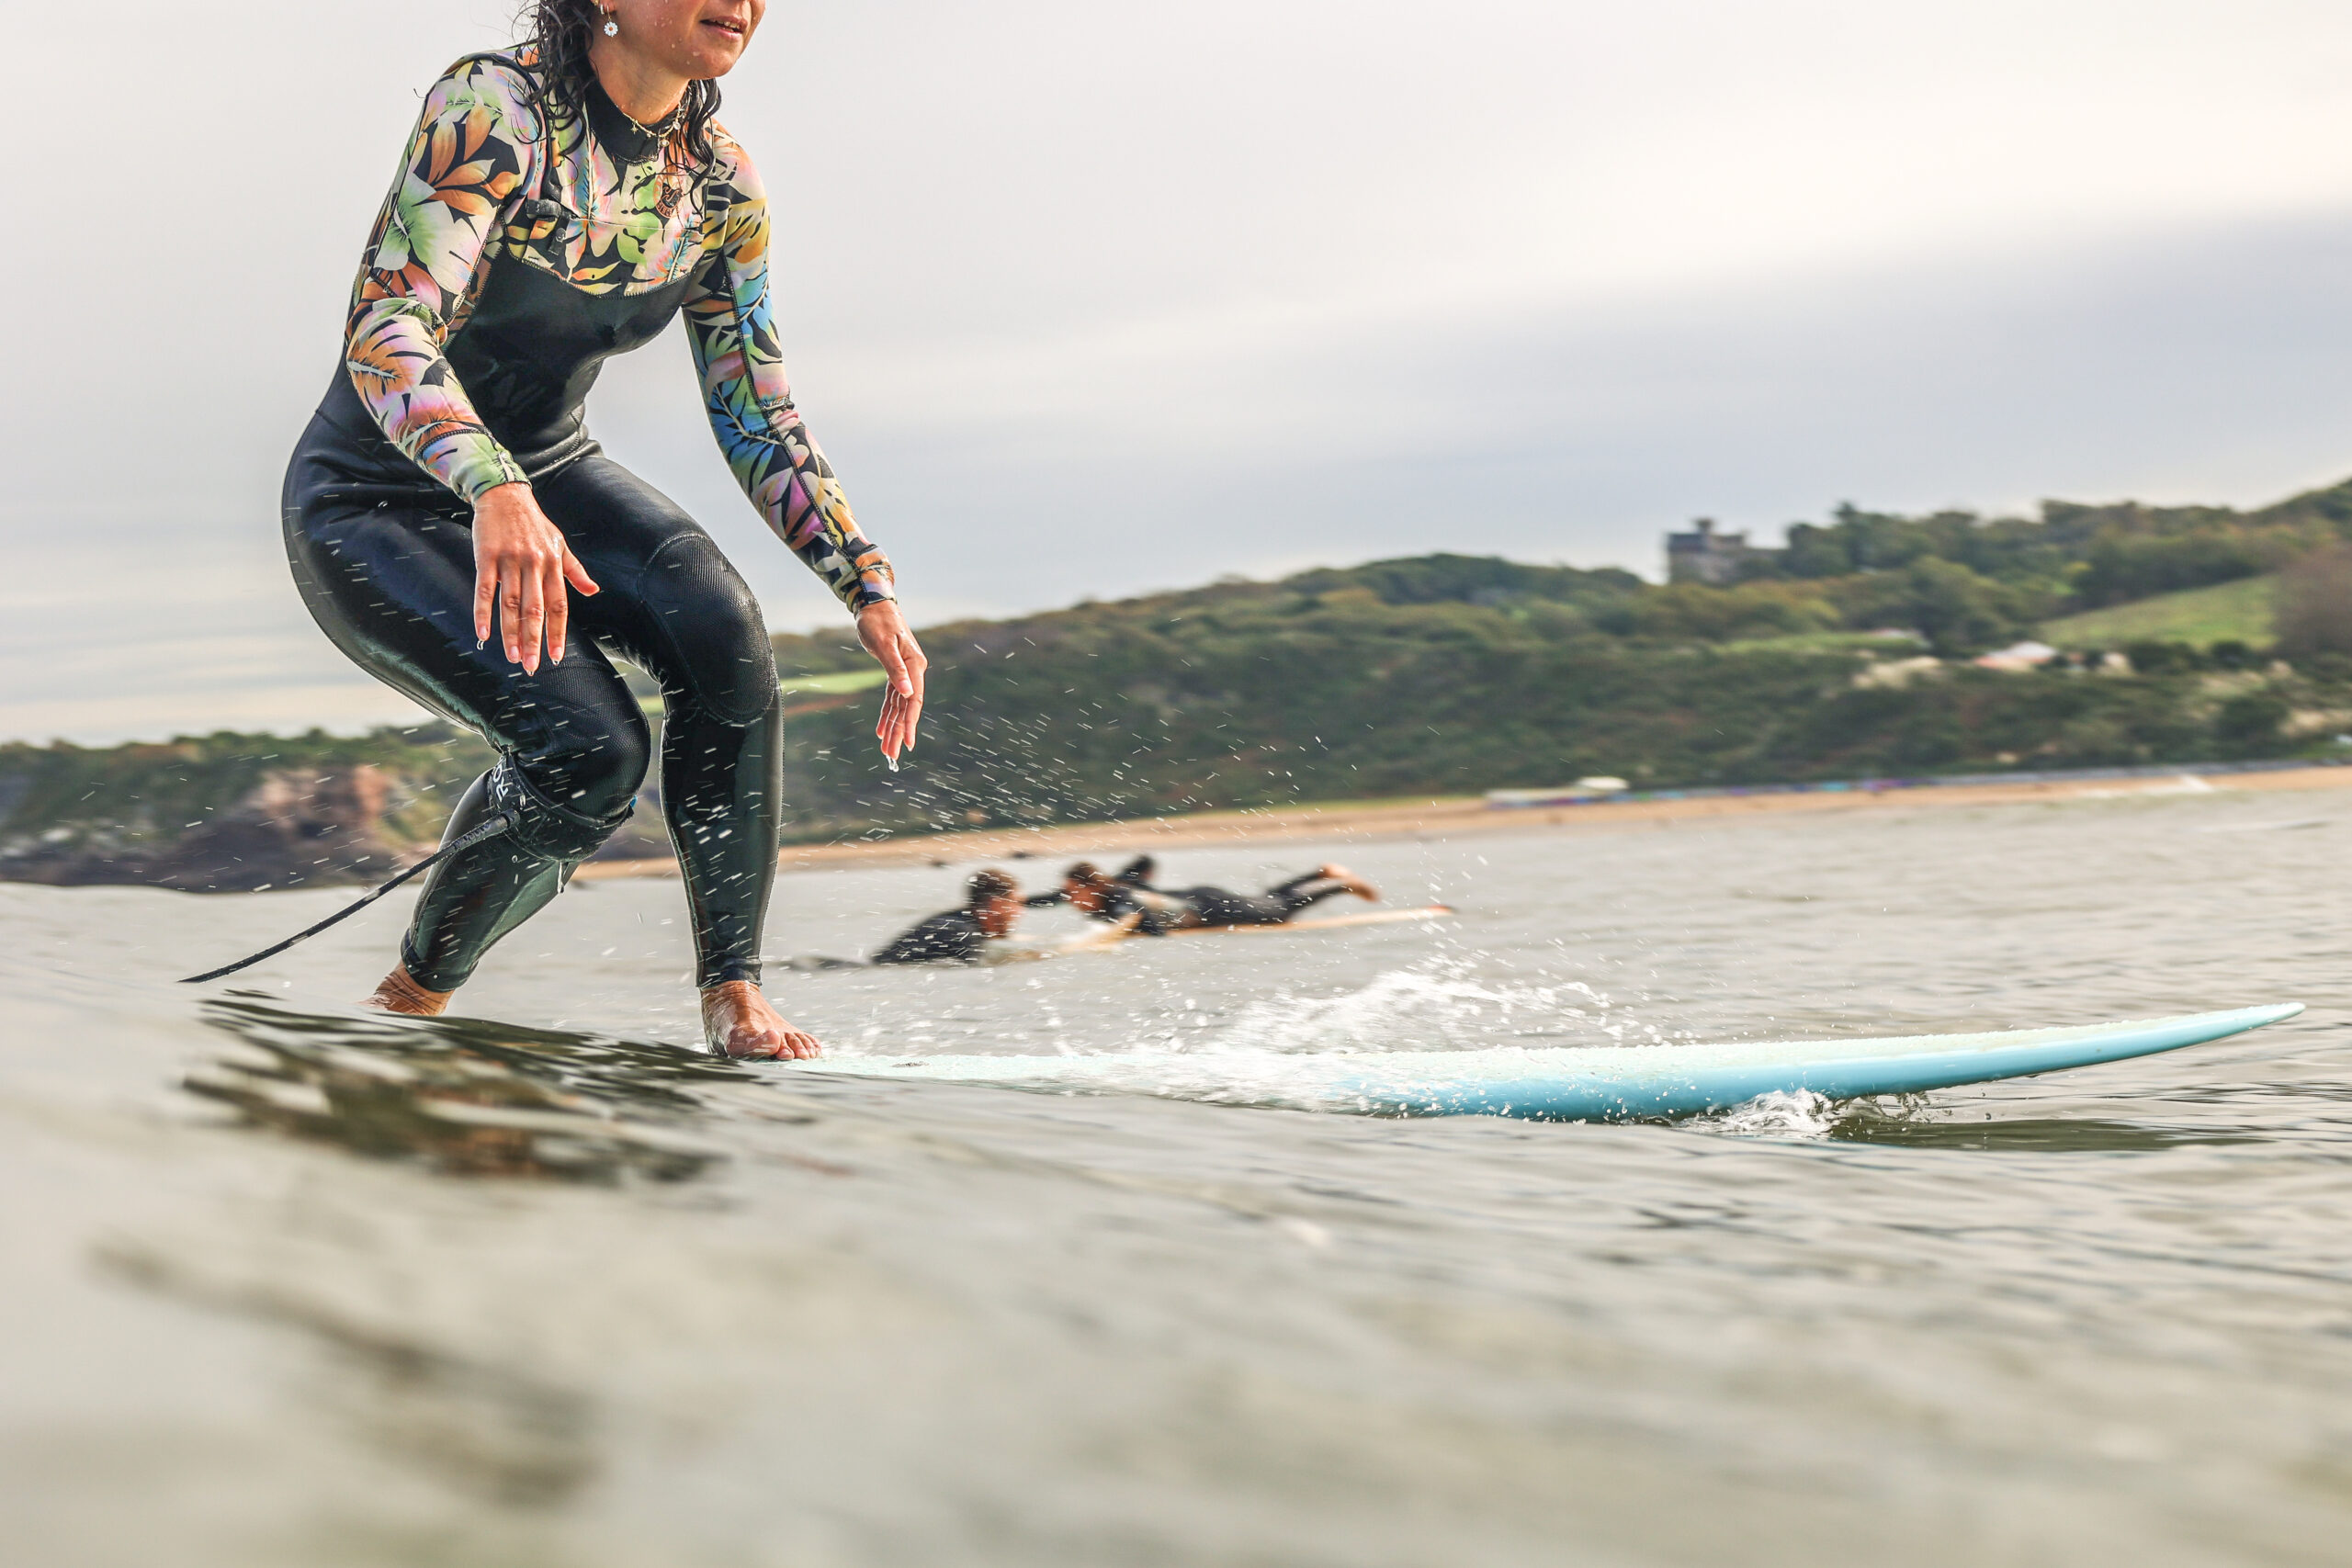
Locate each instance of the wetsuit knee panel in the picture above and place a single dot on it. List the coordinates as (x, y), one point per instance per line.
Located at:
(553, 829)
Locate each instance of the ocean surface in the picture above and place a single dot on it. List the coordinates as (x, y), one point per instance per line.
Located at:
(286, 1283)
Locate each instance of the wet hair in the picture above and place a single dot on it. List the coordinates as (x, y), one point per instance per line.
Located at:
(560, 32)
(1136, 872)
(1084, 874)
(983, 887)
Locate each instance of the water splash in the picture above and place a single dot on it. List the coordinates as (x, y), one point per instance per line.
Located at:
(1440, 1005)
(1806, 1117)
(1784, 1113)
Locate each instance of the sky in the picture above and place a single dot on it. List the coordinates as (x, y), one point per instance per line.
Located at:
(1088, 300)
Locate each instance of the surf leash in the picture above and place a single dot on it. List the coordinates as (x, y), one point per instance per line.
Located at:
(490, 829)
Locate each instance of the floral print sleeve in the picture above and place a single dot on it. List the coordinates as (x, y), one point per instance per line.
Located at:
(476, 143)
(773, 456)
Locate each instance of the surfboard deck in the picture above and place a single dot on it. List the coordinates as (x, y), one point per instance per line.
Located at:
(1583, 1083)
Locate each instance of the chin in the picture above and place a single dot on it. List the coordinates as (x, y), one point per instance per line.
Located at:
(715, 56)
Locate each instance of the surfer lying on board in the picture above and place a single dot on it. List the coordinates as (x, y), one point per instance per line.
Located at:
(1098, 898)
(992, 905)
(454, 529)
(1164, 910)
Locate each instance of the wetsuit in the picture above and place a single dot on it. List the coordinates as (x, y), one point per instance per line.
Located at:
(956, 935)
(1159, 915)
(1218, 907)
(521, 247)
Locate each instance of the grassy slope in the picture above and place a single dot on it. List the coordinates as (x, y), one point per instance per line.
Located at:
(2202, 617)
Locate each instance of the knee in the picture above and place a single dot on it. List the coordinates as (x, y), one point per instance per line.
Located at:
(598, 776)
(568, 799)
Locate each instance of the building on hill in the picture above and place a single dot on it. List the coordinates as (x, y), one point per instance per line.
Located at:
(1705, 555)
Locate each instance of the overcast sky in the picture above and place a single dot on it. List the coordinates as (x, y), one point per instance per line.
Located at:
(1086, 299)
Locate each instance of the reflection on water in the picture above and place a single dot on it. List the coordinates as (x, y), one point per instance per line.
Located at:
(292, 1286)
(487, 1429)
(2038, 1134)
(465, 1096)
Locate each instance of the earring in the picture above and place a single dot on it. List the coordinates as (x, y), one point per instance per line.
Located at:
(612, 28)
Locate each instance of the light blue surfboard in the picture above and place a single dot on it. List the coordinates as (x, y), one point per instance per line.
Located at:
(1582, 1083)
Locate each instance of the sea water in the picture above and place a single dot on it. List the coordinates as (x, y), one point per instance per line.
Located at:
(290, 1284)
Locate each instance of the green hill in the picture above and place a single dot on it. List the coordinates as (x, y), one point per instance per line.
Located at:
(2227, 612)
(1347, 685)
(1440, 673)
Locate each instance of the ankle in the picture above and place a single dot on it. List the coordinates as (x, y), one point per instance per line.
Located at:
(397, 992)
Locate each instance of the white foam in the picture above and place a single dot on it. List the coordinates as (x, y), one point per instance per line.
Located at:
(1433, 1007)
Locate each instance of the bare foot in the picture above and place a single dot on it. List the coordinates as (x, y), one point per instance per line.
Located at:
(737, 1018)
(397, 993)
(1351, 881)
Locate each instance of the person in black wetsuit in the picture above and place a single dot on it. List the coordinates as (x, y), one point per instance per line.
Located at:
(1099, 897)
(1187, 908)
(557, 205)
(1220, 907)
(992, 904)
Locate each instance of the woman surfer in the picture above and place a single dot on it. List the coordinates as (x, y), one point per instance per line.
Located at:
(557, 205)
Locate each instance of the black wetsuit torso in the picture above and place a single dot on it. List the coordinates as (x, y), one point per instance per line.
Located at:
(955, 936)
(574, 241)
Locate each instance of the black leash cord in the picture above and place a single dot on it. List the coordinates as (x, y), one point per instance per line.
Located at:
(490, 829)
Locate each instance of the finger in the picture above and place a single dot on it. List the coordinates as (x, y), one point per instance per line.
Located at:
(576, 574)
(534, 616)
(895, 664)
(901, 725)
(485, 600)
(558, 611)
(509, 613)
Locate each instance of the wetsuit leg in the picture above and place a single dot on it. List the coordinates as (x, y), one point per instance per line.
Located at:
(673, 607)
(1221, 907)
(1295, 894)
(387, 573)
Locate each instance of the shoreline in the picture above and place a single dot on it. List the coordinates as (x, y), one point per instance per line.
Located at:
(1463, 815)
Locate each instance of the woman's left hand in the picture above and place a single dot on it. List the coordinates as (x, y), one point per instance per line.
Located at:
(883, 632)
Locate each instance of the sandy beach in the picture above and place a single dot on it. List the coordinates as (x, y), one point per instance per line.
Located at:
(1461, 816)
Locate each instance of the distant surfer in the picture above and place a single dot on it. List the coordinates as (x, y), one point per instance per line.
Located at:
(1098, 898)
(1164, 910)
(991, 907)
(559, 203)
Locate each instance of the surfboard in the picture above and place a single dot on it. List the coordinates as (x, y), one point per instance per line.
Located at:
(1581, 1083)
(1331, 922)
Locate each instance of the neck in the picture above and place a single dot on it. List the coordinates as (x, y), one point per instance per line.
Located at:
(638, 88)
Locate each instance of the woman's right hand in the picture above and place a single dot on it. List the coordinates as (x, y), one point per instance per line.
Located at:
(521, 564)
